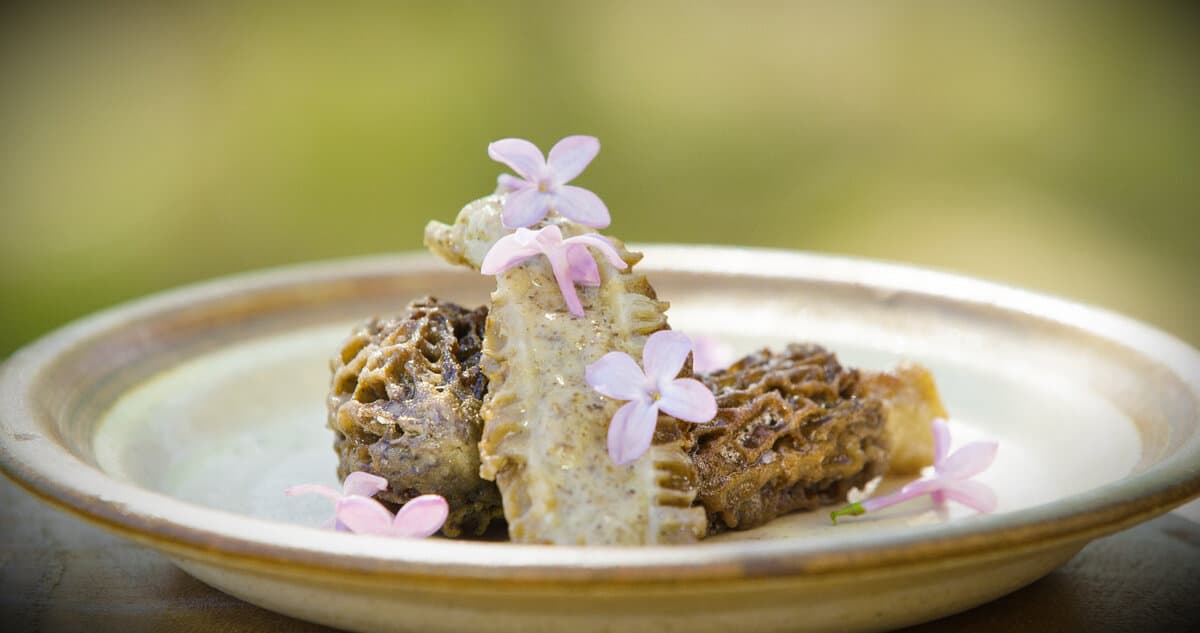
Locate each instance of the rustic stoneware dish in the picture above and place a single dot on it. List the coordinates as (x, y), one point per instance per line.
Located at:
(177, 421)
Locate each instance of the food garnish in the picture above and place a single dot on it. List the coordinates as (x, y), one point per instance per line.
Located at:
(656, 388)
(543, 187)
(951, 478)
(356, 511)
(569, 258)
(710, 353)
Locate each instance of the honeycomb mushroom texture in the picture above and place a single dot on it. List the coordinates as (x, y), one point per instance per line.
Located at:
(404, 404)
(791, 433)
(544, 427)
(794, 429)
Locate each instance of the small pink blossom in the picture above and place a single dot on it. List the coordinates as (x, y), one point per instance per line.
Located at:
(420, 517)
(616, 375)
(710, 353)
(569, 258)
(355, 510)
(357, 484)
(951, 478)
(542, 187)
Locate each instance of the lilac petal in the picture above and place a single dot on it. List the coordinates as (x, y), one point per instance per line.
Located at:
(617, 376)
(519, 154)
(968, 461)
(582, 206)
(941, 440)
(313, 489)
(583, 266)
(664, 355)
(548, 238)
(600, 243)
(924, 486)
(972, 494)
(918, 488)
(710, 353)
(364, 516)
(689, 400)
(363, 484)
(566, 285)
(421, 517)
(631, 431)
(508, 251)
(570, 156)
(524, 207)
(508, 182)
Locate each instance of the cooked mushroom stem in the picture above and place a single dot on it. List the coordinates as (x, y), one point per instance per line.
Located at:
(544, 427)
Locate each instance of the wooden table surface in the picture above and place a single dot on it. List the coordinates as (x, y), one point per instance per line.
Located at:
(58, 573)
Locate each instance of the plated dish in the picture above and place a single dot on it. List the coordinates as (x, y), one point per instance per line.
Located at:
(567, 411)
(178, 421)
(232, 365)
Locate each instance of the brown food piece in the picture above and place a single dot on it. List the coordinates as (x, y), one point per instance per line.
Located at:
(795, 430)
(911, 402)
(791, 433)
(404, 405)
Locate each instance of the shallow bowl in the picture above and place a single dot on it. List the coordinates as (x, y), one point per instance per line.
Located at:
(177, 420)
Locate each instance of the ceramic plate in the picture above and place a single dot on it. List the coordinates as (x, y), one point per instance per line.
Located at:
(178, 420)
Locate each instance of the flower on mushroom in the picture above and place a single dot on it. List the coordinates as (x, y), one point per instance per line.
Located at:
(542, 186)
(356, 511)
(651, 388)
(569, 258)
(951, 478)
(710, 353)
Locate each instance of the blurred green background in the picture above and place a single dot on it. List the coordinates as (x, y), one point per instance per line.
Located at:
(1049, 145)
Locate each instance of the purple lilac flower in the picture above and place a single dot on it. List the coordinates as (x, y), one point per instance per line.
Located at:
(618, 376)
(542, 186)
(951, 478)
(569, 258)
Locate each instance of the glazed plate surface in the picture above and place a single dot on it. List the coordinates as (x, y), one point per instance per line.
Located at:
(178, 420)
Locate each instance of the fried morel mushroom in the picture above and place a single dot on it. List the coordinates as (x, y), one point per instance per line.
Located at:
(404, 404)
(794, 430)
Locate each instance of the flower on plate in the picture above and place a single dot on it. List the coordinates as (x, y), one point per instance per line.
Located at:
(618, 376)
(357, 484)
(569, 258)
(420, 517)
(710, 353)
(542, 186)
(951, 478)
(355, 510)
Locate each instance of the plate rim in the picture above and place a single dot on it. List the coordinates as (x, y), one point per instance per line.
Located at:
(36, 463)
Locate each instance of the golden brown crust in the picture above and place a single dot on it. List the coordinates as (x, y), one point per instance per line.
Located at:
(790, 434)
(911, 402)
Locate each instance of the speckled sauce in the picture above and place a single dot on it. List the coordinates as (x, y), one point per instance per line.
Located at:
(544, 437)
